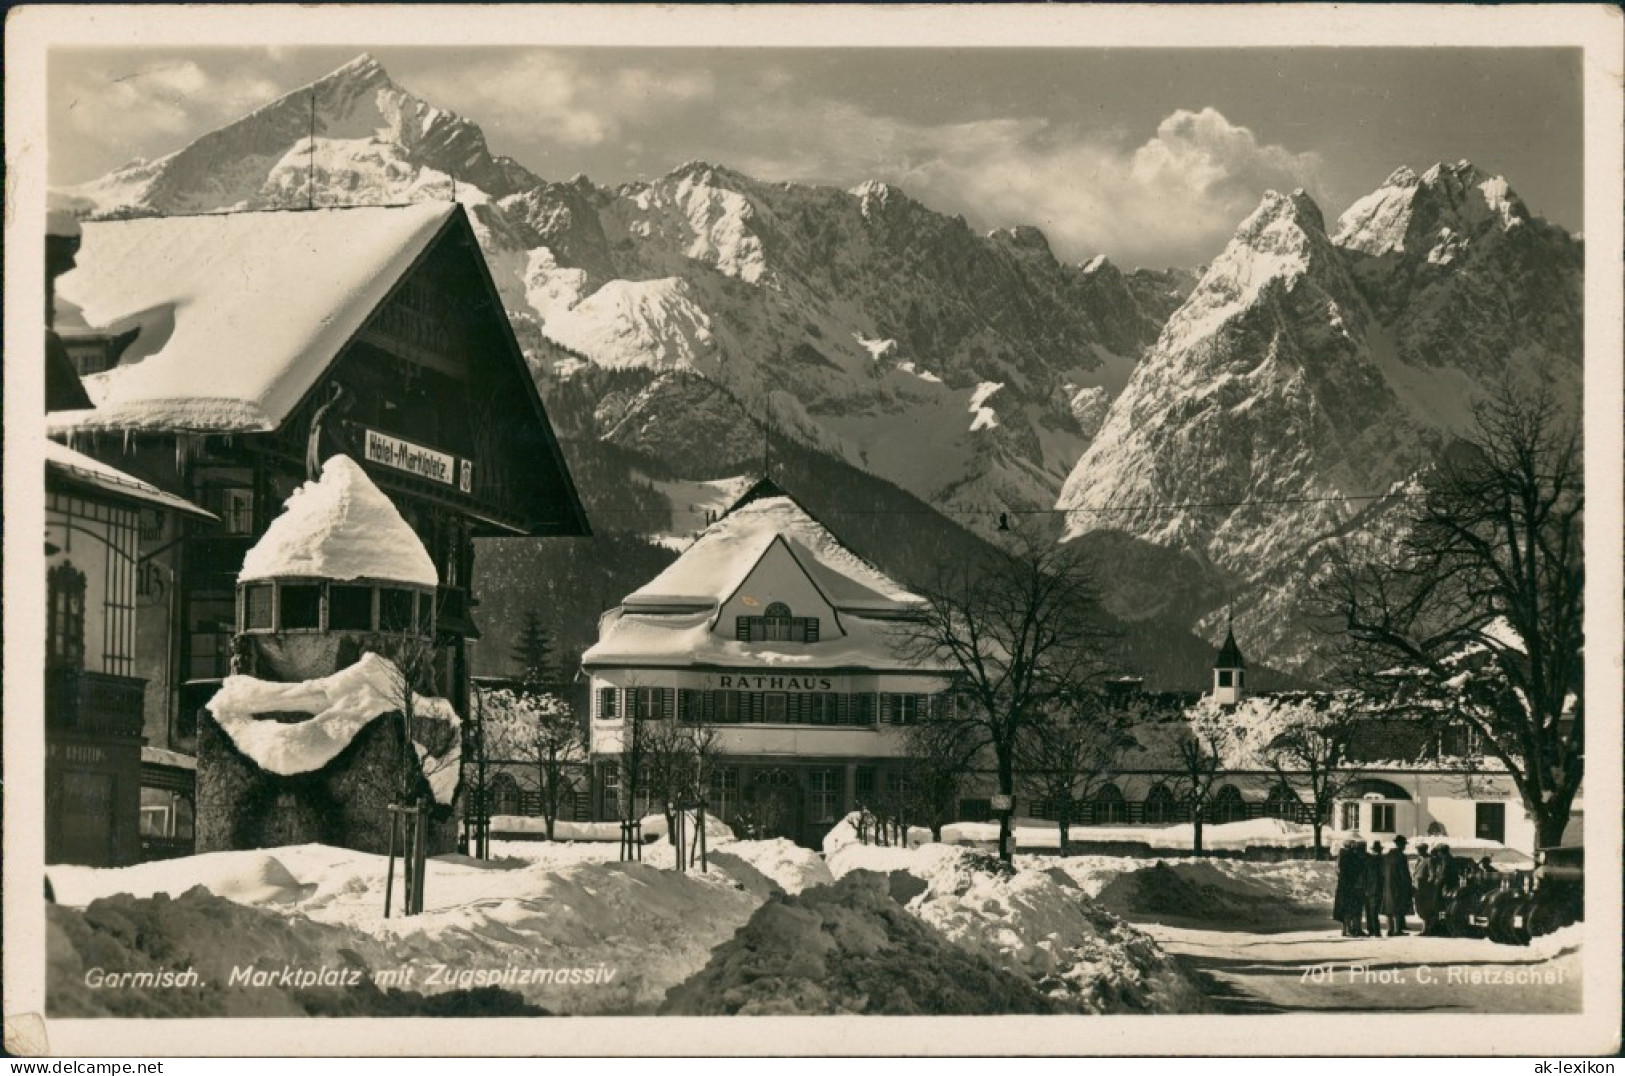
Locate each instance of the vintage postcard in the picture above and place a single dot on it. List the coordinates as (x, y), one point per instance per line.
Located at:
(898, 530)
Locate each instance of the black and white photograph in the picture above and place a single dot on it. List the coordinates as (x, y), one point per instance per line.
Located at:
(1066, 513)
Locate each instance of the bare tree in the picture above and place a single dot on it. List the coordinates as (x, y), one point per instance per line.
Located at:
(425, 758)
(1196, 753)
(1311, 753)
(1020, 629)
(539, 732)
(1478, 616)
(677, 762)
(413, 660)
(1073, 752)
(941, 751)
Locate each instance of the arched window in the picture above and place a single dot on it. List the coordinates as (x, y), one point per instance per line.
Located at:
(1227, 806)
(775, 778)
(1109, 807)
(776, 623)
(1283, 803)
(1159, 805)
(504, 794)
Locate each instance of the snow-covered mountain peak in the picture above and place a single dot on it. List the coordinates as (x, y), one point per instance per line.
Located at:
(874, 195)
(1282, 241)
(227, 168)
(1411, 213)
(364, 68)
(1280, 216)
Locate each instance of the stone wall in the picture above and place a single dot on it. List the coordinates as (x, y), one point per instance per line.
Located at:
(344, 804)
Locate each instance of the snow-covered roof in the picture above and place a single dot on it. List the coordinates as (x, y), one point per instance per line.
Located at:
(340, 527)
(655, 639)
(87, 470)
(160, 756)
(340, 705)
(239, 313)
(713, 568)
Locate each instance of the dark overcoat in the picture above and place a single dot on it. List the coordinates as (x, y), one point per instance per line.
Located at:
(1349, 897)
(1397, 891)
(1373, 879)
(1428, 887)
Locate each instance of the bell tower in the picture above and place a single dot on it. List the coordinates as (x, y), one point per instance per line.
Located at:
(1229, 669)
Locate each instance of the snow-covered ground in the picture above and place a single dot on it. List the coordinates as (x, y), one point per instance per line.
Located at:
(1088, 933)
(541, 905)
(1270, 944)
(1032, 921)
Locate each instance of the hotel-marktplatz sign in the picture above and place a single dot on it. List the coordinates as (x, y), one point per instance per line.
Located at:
(415, 459)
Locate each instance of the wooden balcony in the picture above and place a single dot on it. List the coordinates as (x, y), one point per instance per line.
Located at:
(93, 703)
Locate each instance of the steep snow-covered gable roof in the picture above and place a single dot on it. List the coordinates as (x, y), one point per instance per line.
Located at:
(340, 527)
(721, 559)
(240, 313)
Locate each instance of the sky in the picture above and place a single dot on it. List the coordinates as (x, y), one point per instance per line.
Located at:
(1150, 156)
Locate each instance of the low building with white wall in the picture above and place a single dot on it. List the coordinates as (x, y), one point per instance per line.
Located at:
(789, 647)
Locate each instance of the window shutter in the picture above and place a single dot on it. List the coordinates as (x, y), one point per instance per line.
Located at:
(668, 702)
(812, 629)
(742, 629)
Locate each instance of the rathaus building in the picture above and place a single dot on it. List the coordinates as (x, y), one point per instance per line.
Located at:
(788, 645)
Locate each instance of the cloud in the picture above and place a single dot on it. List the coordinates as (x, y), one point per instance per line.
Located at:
(160, 103)
(564, 97)
(1172, 199)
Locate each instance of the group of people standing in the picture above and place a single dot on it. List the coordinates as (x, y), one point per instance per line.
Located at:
(1372, 884)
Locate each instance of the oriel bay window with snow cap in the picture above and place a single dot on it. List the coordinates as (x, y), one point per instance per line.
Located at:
(337, 708)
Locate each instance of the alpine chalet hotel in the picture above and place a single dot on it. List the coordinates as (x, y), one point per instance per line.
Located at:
(791, 647)
(229, 354)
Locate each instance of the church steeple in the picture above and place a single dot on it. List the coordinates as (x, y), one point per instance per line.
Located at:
(1229, 668)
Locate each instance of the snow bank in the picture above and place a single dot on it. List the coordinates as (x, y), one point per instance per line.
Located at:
(791, 866)
(340, 526)
(845, 853)
(849, 948)
(253, 877)
(341, 705)
(1200, 891)
(716, 830)
(546, 907)
(1072, 949)
(1029, 920)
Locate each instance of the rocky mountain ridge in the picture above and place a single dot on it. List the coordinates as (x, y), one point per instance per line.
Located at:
(1314, 372)
(1204, 430)
(858, 321)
